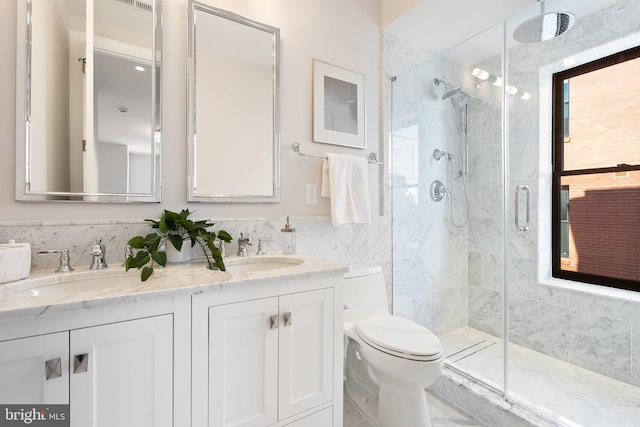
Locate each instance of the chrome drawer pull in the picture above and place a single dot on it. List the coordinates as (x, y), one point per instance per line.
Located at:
(286, 317)
(273, 322)
(80, 363)
(53, 368)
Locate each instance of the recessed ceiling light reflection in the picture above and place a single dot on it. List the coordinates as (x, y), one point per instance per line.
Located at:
(139, 68)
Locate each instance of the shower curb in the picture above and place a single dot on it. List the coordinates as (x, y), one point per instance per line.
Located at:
(485, 404)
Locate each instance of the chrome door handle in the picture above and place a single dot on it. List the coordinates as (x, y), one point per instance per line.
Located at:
(527, 192)
(286, 317)
(80, 363)
(53, 368)
(273, 322)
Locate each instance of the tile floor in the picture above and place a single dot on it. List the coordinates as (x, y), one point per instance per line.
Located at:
(442, 415)
(570, 395)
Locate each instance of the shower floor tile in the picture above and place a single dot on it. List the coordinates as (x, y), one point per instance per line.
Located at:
(559, 390)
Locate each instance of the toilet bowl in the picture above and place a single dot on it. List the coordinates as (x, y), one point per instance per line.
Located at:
(390, 360)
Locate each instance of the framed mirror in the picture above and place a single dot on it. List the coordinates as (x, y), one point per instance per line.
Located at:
(233, 147)
(88, 113)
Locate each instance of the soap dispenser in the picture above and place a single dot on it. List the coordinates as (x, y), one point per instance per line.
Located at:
(288, 239)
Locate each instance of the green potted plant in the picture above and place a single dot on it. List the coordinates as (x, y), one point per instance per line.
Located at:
(175, 228)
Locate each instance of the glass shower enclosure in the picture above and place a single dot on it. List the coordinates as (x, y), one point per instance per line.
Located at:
(470, 145)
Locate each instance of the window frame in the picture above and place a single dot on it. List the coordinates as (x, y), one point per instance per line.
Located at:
(559, 138)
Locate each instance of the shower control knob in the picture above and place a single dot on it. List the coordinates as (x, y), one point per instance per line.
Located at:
(437, 190)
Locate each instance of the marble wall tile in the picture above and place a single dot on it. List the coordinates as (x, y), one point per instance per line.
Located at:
(617, 19)
(585, 336)
(79, 238)
(485, 310)
(523, 283)
(358, 243)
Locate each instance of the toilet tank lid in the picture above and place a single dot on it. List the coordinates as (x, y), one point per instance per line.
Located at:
(358, 270)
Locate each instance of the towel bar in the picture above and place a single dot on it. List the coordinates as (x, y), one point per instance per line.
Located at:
(297, 147)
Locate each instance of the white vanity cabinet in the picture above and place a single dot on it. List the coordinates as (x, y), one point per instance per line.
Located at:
(115, 374)
(268, 360)
(188, 348)
(24, 377)
(127, 380)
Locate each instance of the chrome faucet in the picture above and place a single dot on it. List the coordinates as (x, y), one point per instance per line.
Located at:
(243, 242)
(98, 253)
(65, 259)
(261, 245)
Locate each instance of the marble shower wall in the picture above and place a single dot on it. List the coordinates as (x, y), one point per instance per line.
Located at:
(445, 281)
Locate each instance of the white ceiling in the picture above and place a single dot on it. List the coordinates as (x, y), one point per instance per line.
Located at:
(440, 24)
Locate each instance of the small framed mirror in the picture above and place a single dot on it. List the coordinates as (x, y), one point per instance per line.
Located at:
(233, 129)
(88, 100)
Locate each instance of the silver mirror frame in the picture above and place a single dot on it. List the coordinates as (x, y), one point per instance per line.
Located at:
(194, 6)
(23, 192)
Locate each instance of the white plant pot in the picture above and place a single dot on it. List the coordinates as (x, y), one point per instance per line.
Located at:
(178, 256)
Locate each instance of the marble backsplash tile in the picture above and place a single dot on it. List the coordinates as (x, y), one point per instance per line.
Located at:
(358, 243)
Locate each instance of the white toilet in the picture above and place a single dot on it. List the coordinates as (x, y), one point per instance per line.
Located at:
(390, 360)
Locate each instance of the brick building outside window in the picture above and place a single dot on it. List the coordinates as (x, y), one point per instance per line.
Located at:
(596, 200)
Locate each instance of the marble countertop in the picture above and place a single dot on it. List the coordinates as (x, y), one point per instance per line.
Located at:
(48, 292)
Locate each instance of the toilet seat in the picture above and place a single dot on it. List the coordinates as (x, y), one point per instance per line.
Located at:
(400, 337)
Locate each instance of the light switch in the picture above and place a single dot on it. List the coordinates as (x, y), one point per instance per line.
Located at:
(312, 194)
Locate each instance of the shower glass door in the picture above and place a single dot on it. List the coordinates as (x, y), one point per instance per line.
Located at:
(471, 148)
(446, 145)
(570, 354)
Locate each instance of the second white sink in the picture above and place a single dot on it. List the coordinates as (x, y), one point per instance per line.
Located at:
(260, 263)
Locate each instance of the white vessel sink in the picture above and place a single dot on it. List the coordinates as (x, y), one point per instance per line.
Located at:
(260, 263)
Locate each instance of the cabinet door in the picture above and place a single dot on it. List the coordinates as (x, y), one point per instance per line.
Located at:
(122, 374)
(23, 370)
(243, 364)
(306, 351)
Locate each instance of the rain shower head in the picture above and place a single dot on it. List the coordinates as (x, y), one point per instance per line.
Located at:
(544, 26)
(449, 89)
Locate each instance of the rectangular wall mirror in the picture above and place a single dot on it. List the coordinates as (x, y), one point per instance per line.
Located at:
(233, 148)
(88, 100)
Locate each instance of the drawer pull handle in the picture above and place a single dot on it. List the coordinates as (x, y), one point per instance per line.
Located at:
(53, 368)
(286, 317)
(273, 322)
(80, 363)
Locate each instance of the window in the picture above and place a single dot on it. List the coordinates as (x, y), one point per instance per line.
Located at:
(596, 172)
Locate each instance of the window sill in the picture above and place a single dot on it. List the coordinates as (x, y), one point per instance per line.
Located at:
(588, 288)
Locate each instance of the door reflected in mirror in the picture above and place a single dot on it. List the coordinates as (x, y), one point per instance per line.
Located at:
(88, 100)
(233, 108)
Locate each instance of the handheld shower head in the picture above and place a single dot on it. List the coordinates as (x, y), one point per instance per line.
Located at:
(438, 154)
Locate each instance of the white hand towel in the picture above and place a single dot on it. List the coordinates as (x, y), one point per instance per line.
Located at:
(345, 179)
